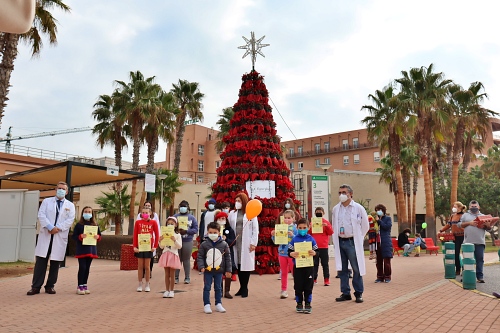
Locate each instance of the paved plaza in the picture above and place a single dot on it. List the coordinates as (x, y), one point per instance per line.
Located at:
(418, 299)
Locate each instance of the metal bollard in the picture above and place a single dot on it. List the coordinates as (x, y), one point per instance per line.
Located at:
(449, 260)
(469, 272)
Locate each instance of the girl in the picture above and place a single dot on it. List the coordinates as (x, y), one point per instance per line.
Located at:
(84, 253)
(145, 226)
(154, 216)
(169, 260)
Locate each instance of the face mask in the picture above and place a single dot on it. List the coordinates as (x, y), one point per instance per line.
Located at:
(454, 210)
(380, 213)
(226, 210)
(407, 235)
(211, 207)
(343, 197)
(87, 216)
(183, 210)
(145, 216)
(319, 214)
(213, 237)
(474, 210)
(221, 222)
(60, 193)
(287, 206)
(237, 205)
(302, 232)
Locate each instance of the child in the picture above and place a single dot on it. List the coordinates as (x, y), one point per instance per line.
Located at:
(372, 235)
(145, 226)
(84, 253)
(213, 260)
(416, 244)
(303, 276)
(229, 237)
(169, 259)
(286, 263)
(322, 241)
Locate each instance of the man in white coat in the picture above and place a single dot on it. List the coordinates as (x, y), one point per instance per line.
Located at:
(56, 215)
(350, 225)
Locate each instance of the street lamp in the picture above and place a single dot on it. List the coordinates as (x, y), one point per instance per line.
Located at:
(161, 177)
(198, 205)
(368, 201)
(325, 166)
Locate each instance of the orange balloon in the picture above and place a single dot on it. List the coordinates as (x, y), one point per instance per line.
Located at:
(254, 207)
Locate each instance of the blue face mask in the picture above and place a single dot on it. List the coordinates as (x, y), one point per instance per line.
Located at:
(380, 213)
(211, 206)
(302, 232)
(87, 216)
(60, 193)
(183, 210)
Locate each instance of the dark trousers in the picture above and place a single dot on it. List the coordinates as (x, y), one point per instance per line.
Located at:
(384, 269)
(458, 246)
(303, 283)
(244, 277)
(41, 268)
(83, 270)
(323, 255)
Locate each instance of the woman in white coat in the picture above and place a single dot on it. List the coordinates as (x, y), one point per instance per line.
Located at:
(247, 236)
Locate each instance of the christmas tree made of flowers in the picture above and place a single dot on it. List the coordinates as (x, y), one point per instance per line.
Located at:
(253, 152)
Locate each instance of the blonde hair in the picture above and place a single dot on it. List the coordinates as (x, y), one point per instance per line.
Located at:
(460, 205)
(289, 212)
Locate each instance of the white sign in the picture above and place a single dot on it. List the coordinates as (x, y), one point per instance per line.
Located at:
(112, 171)
(319, 193)
(261, 188)
(149, 183)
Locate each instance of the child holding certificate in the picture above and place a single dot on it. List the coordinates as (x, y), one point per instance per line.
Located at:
(145, 241)
(322, 239)
(283, 238)
(302, 249)
(170, 242)
(86, 232)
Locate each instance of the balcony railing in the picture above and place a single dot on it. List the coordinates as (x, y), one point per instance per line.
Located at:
(315, 152)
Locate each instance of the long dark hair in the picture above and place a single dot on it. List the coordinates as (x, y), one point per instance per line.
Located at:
(82, 220)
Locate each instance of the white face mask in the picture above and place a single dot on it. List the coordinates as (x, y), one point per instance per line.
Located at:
(221, 222)
(237, 205)
(407, 234)
(226, 210)
(287, 206)
(213, 237)
(454, 210)
(211, 207)
(343, 197)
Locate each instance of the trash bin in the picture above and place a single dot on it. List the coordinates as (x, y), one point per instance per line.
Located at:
(128, 262)
(469, 272)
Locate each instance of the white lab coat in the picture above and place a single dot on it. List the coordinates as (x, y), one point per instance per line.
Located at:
(249, 236)
(360, 223)
(46, 216)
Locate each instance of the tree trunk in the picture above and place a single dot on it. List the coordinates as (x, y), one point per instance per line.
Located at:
(402, 219)
(414, 215)
(181, 128)
(131, 215)
(152, 148)
(8, 50)
(454, 183)
(429, 200)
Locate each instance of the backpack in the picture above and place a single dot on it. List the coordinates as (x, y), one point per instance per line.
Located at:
(423, 246)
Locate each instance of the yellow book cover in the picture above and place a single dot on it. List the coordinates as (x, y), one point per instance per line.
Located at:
(183, 222)
(167, 232)
(304, 259)
(317, 225)
(144, 242)
(281, 234)
(90, 231)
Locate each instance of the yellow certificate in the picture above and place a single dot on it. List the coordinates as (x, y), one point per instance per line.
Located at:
(90, 231)
(167, 232)
(183, 222)
(282, 219)
(304, 259)
(281, 234)
(144, 242)
(317, 225)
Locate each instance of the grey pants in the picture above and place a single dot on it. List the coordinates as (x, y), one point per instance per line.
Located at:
(185, 258)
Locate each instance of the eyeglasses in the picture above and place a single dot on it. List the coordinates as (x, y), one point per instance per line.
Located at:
(343, 192)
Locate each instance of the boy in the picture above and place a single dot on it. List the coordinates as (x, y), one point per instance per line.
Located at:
(213, 260)
(322, 241)
(417, 242)
(303, 276)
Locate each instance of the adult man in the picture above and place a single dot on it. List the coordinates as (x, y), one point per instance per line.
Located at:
(350, 225)
(56, 215)
(475, 235)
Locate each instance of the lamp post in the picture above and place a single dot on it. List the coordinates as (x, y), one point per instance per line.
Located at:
(198, 205)
(368, 201)
(161, 177)
(325, 167)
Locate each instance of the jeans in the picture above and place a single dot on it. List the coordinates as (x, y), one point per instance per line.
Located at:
(408, 248)
(479, 255)
(348, 254)
(208, 277)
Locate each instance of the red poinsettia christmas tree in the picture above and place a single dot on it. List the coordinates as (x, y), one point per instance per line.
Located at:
(253, 153)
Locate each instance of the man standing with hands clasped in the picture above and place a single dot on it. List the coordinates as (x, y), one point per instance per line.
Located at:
(56, 215)
(350, 225)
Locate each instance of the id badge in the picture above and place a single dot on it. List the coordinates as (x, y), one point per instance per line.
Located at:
(342, 230)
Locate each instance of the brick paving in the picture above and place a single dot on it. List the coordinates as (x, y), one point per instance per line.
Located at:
(418, 299)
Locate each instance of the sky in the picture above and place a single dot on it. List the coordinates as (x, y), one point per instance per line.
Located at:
(325, 57)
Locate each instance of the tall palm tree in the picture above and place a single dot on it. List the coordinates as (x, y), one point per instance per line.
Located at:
(491, 162)
(43, 24)
(387, 176)
(114, 205)
(223, 122)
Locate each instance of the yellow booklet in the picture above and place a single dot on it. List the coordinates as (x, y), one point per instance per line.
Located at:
(222, 230)
(282, 219)
(281, 234)
(304, 259)
(144, 242)
(167, 232)
(183, 222)
(317, 225)
(90, 231)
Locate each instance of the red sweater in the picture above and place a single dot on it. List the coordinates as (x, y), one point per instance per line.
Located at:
(146, 227)
(322, 239)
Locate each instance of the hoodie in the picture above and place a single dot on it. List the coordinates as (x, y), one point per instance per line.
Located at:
(214, 256)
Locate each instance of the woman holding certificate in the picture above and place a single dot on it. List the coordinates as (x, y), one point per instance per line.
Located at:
(146, 236)
(247, 236)
(86, 234)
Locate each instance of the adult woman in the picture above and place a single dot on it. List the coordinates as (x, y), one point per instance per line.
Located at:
(458, 210)
(384, 248)
(187, 233)
(289, 204)
(154, 216)
(247, 236)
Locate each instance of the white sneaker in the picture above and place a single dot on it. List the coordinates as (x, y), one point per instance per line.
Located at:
(166, 294)
(284, 294)
(80, 291)
(207, 309)
(147, 289)
(219, 308)
(171, 295)
(139, 289)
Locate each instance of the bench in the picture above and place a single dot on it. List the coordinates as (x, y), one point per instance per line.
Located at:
(431, 248)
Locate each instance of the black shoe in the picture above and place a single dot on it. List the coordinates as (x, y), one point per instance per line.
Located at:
(244, 293)
(344, 297)
(359, 299)
(299, 308)
(337, 277)
(51, 291)
(33, 291)
(238, 293)
(480, 281)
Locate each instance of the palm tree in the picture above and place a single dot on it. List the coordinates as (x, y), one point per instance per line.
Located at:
(491, 162)
(387, 176)
(223, 122)
(43, 24)
(114, 205)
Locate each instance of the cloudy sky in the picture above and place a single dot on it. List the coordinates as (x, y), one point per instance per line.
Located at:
(325, 58)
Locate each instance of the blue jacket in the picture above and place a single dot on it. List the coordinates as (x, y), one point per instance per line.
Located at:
(283, 248)
(385, 225)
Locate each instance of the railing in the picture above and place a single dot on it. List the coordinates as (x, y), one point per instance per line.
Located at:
(39, 153)
(331, 150)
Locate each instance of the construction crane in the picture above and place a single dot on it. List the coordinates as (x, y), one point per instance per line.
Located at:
(10, 138)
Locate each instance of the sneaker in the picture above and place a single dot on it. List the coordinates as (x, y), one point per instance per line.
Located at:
(387, 280)
(343, 297)
(166, 294)
(147, 289)
(139, 289)
(315, 282)
(80, 290)
(87, 291)
(176, 280)
(327, 281)
(219, 308)
(207, 309)
(279, 277)
(308, 308)
(497, 295)
(171, 295)
(379, 280)
(187, 281)
(284, 294)
(299, 308)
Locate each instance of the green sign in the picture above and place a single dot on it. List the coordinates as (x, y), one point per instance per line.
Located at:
(191, 121)
(319, 177)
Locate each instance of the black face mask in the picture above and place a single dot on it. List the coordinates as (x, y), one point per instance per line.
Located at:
(474, 210)
(319, 214)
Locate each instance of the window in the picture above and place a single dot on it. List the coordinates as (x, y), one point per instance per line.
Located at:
(199, 179)
(346, 160)
(291, 165)
(327, 147)
(200, 165)
(356, 158)
(327, 160)
(300, 165)
(355, 143)
(201, 150)
(209, 137)
(292, 152)
(299, 151)
(317, 148)
(345, 144)
(316, 163)
(217, 164)
(376, 156)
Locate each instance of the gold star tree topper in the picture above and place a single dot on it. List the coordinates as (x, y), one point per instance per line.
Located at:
(253, 47)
